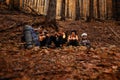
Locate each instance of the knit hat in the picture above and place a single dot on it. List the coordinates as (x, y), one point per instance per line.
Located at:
(83, 34)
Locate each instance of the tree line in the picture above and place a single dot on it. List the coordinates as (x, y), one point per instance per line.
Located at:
(73, 9)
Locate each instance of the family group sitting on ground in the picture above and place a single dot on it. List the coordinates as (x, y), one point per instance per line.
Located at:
(42, 37)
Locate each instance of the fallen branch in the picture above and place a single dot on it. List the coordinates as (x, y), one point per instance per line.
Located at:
(10, 76)
(52, 73)
(114, 32)
(12, 26)
(35, 12)
(15, 25)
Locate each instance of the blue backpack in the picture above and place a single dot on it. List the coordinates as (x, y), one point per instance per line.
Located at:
(30, 37)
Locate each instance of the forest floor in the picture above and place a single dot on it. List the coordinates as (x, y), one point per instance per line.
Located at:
(102, 62)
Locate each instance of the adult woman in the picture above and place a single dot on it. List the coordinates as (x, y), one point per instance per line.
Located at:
(73, 39)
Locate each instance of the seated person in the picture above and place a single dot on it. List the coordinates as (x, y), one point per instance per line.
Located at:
(62, 37)
(42, 40)
(48, 39)
(56, 39)
(42, 36)
(45, 38)
(84, 41)
(59, 38)
(73, 39)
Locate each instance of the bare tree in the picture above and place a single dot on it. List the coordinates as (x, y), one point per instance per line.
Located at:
(14, 4)
(62, 10)
(67, 9)
(98, 9)
(114, 9)
(81, 8)
(51, 14)
(77, 11)
(91, 9)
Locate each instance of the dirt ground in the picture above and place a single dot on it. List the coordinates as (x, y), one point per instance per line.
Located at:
(102, 62)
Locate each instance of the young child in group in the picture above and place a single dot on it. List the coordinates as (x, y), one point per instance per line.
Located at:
(84, 41)
(73, 39)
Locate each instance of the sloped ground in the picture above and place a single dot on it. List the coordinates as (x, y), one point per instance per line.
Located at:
(102, 62)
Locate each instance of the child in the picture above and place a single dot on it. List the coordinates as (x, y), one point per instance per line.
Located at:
(84, 41)
(73, 39)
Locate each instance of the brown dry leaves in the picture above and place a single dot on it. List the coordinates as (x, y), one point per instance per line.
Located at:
(67, 63)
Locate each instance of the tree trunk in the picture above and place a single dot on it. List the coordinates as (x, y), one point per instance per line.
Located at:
(67, 14)
(36, 5)
(117, 9)
(46, 7)
(86, 9)
(81, 8)
(109, 9)
(62, 10)
(114, 9)
(98, 9)
(91, 10)
(51, 14)
(77, 11)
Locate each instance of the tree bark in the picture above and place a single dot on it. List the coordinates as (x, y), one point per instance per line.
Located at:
(51, 14)
(113, 9)
(77, 11)
(81, 8)
(98, 9)
(14, 4)
(62, 10)
(67, 14)
(91, 10)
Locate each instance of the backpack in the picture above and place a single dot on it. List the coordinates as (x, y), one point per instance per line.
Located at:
(30, 36)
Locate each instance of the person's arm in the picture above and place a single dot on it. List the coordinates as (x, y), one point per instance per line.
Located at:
(64, 36)
(69, 38)
(41, 37)
(88, 42)
(76, 37)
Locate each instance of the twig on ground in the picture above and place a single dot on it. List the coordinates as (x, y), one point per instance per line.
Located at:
(114, 32)
(12, 26)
